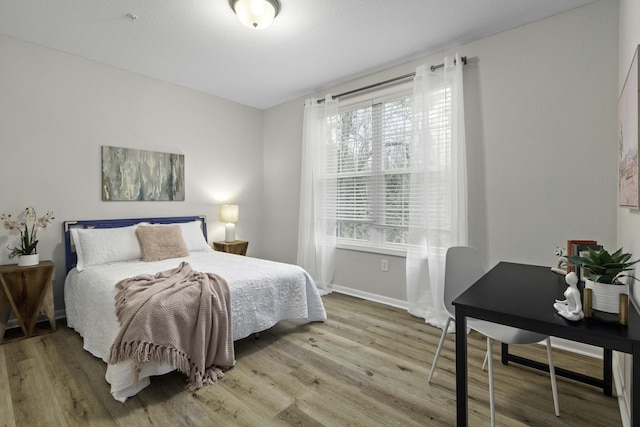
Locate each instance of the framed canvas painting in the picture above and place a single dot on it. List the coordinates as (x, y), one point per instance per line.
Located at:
(628, 139)
(129, 174)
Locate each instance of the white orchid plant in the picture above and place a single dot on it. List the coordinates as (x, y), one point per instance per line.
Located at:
(27, 224)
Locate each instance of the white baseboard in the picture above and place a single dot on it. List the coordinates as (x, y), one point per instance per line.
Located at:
(370, 297)
(560, 343)
(577, 347)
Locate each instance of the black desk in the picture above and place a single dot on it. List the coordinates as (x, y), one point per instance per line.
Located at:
(522, 296)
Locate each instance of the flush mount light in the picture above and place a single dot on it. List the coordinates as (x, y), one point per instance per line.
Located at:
(255, 14)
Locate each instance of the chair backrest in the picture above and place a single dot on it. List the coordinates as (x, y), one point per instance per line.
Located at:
(463, 267)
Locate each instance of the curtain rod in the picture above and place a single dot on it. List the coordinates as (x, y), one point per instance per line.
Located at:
(395, 79)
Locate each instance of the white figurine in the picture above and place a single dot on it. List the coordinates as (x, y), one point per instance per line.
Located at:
(561, 265)
(571, 307)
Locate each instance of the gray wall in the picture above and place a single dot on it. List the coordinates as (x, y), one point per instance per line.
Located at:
(541, 119)
(56, 110)
(282, 156)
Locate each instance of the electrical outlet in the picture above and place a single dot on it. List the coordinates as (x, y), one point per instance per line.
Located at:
(384, 265)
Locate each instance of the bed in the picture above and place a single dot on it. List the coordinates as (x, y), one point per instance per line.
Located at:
(100, 253)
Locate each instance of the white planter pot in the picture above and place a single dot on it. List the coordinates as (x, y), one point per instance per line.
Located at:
(27, 260)
(605, 297)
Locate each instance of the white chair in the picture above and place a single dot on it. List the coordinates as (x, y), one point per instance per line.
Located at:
(462, 269)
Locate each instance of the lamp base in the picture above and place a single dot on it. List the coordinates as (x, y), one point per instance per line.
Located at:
(230, 232)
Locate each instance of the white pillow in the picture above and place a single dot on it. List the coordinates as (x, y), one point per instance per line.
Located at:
(95, 246)
(192, 235)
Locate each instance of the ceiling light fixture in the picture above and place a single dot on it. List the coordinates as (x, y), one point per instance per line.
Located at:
(255, 14)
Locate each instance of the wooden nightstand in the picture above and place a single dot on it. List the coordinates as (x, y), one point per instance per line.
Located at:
(27, 291)
(238, 247)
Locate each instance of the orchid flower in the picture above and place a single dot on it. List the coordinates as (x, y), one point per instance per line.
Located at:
(27, 224)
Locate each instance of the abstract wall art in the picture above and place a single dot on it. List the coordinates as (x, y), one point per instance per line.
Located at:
(129, 174)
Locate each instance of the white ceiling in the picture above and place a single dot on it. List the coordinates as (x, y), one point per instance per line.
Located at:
(312, 44)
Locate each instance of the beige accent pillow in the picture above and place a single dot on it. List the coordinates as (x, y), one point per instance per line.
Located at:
(160, 243)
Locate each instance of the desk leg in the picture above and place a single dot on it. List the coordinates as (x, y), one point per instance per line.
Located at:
(607, 371)
(505, 354)
(461, 368)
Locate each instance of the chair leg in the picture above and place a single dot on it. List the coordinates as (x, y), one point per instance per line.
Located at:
(492, 401)
(484, 362)
(437, 356)
(552, 374)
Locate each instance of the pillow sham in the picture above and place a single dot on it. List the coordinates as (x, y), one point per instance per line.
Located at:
(95, 246)
(160, 243)
(193, 237)
(191, 233)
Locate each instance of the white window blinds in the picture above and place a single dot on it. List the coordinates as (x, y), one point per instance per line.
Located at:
(373, 171)
(373, 167)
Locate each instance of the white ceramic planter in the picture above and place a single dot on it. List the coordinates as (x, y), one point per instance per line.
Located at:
(605, 297)
(27, 260)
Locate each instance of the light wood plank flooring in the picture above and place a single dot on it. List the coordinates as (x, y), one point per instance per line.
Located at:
(366, 366)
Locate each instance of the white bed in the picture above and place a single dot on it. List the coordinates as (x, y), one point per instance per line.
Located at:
(262, 293)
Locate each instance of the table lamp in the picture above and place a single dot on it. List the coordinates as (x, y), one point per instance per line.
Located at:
(229, 215)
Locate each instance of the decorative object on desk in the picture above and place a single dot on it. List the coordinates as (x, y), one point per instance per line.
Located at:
(604, 267)
(570, 308)
(628, 138)
(604, 287)
(623, 316)
(605, 297)
(561, 265)
(229, 215)
(27, 224)
(583, 251)
(571, 247)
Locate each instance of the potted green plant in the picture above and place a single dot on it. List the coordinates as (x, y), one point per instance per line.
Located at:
(604, 273)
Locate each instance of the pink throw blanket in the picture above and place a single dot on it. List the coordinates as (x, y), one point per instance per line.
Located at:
(178, 316)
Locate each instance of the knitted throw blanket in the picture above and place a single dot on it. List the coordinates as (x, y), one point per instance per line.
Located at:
(178, 316)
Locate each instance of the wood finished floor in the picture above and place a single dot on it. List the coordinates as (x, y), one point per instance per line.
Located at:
(366, 366)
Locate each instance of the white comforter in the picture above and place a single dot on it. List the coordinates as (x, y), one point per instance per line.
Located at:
(262, 293)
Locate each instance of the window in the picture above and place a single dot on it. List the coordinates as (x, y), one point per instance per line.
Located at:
(373, 170)
(373, 175)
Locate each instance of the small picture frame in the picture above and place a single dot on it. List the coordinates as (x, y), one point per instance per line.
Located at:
(572, 248)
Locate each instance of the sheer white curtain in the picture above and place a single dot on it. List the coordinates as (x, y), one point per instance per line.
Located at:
(439, 183)
(317, 223)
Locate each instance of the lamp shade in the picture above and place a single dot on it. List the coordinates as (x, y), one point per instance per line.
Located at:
(255, 14)
(229, 213)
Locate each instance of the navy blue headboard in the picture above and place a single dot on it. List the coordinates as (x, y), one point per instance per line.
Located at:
(70, 254)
